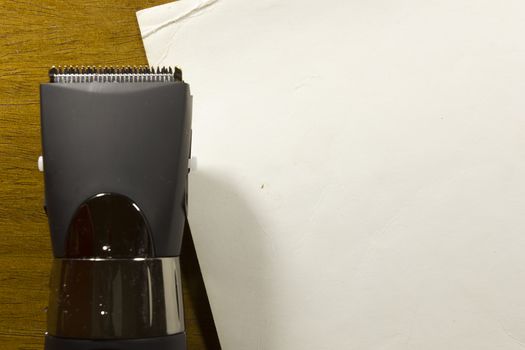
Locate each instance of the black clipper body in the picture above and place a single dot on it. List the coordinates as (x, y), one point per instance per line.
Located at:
(116, 145)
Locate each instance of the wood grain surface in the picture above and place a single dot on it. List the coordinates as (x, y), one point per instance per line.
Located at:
(35, 35)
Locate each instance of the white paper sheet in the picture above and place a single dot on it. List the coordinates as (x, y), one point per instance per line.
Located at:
(361, 169)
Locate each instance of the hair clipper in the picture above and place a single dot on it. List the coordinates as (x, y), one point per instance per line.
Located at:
(116, 144)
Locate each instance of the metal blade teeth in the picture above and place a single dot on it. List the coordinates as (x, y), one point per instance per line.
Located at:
(117, 74)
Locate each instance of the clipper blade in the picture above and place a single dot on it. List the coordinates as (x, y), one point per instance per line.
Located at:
(117, 74)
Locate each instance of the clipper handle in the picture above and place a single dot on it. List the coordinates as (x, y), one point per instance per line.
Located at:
(174, 342)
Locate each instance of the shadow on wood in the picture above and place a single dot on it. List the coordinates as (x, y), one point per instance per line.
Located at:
(195, 294)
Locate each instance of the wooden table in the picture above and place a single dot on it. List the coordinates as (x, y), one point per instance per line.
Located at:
(35, 35)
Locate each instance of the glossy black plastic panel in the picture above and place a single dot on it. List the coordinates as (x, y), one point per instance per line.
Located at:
(109, 225)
